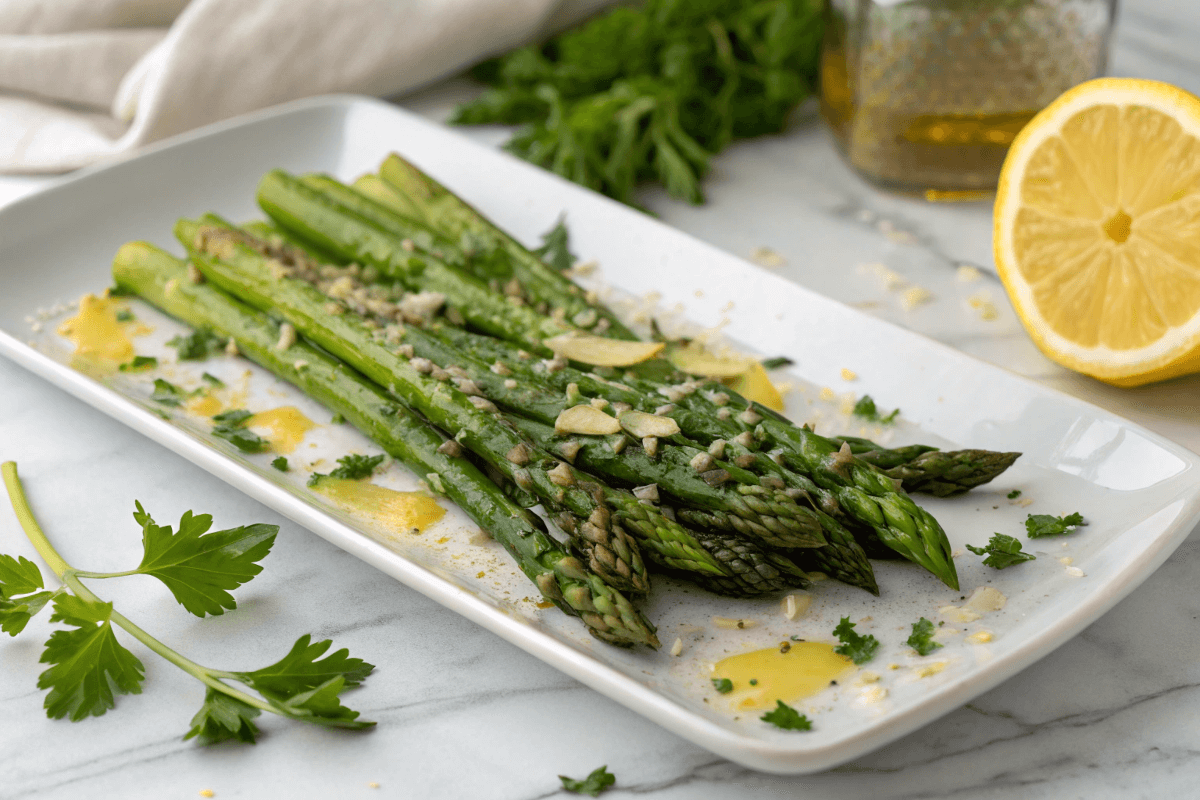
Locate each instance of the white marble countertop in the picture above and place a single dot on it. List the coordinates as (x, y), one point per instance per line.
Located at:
(464, 714)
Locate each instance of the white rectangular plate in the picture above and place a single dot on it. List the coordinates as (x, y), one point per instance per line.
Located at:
(1139, 492)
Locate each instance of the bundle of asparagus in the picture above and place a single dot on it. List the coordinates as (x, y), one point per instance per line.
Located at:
(436, 334)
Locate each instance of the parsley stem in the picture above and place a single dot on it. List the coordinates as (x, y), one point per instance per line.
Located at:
(70, 576)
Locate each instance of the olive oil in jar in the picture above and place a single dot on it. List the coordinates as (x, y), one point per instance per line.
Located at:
(926, 96)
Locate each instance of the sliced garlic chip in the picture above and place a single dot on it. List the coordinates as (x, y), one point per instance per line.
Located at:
(586, 419)
(695, 360)
(641, 425)
(601, 352)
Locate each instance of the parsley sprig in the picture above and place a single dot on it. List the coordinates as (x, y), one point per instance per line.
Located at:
(89, 666)
(858, 648)
(353, 467)
(650, 93)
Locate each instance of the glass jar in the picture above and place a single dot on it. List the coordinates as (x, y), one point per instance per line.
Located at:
(925, 96)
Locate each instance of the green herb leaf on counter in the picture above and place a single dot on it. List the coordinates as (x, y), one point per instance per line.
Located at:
(858, 648)
(556, 247)
(166, 393)
(921, 638)
(785, 717)
(865, 408)
(1039, 525)
(201, 568)
(650, 93)
(1002, 551)
(89, 666)
(21, 597)
(231, 426)
(139, 364)
(595, 783)
(223, 718)
(353, 467)
(1014, 494)
(722, 685)
(280, 464)
(778, 362)
(197, 345)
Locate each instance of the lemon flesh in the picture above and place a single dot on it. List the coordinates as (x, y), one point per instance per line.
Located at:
(1097, 230)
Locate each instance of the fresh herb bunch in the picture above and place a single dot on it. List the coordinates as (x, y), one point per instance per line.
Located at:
(651, 93)
(89, 666)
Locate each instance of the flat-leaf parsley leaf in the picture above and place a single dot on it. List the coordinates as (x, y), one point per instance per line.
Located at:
(786, 717)
(858, 648)
(921, 638)
(231, 426)
(1002, 551)
(595, 783)
(865, 408)
(1039, 525)
(353, 467)
(201, 568)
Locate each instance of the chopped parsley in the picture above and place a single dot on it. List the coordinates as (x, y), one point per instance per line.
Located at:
(856, 647)
(921, 638)
(555, 249)
(231, 426)
(1014, 494)
(1002, 551)
(778, 362)
(197, 345)
(785, 717)
(166, 393)
(595, 783)
(280, 464)
(213, 380)
(337, 419)
(125, 315)
(1039, 525)
(723, 685)
(139, 364)
(353, 467)
(865, 408)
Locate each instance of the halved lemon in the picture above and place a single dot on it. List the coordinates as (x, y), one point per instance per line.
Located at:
(1097, 230)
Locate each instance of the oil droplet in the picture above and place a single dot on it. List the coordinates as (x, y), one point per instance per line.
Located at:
(398, 511)
(99, 338)
(206, 405)
(981, 637)
(283, 427)
(805, 669)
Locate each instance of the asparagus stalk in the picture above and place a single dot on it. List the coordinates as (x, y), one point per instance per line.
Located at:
(243, 271)
(315, 217)
(251, 277)
(927, 470)
(162, 280)
(746, 507)
(418, 195)
(870, 499)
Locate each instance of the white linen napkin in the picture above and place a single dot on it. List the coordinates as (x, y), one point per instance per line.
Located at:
(84, 80)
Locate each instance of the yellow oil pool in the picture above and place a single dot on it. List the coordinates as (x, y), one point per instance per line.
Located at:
(283, 427)
(98, 336)
(789, 672)
(401, 512)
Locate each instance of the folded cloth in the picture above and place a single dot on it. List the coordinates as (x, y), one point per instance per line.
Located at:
(84, 80)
